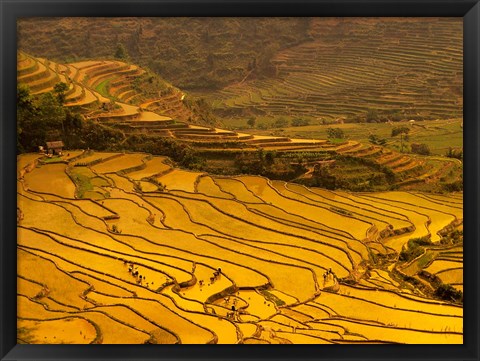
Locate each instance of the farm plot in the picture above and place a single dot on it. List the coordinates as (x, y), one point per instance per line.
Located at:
(123, 162)
(299, 194)
(397, 220)
(357, 228)
(94, 157)
(385, 333)
(451, 276)
(180, 180)
(50, 178)
(237, 189)
(441, 265)
(207, 185)
(245, 226)
(154, 166)
(68, 330)
(437, 219)
(370, 311)
(26, 159)
(88, 184)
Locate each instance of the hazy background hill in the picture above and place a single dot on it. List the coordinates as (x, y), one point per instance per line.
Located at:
(190, 52)
(322, 69)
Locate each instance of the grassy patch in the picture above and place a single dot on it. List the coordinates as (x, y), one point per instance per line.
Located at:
(83, 184)
(56, 159)
(426, 259)
(272, 298)
(103, 87)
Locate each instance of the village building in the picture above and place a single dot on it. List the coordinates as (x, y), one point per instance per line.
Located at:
(55, 147)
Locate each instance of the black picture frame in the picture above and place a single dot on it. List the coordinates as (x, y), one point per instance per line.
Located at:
(10, 10)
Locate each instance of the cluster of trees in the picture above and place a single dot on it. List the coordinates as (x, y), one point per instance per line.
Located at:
(367, 175)
(420, 148)
(454, 153)
(121, 53)
(454, 237)
(375, 139)
(268, 164)
(280, 122)
(386, 115)
(415, 247)
(335, 133)
(44, 118)
(180, 152)
(300, 122)
(449, 293)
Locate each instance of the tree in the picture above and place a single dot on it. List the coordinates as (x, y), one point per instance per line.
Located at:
(421, 148)
(37, 119)
(26, 113)
(121, 52)
(448, 293)
(375, 139)
(59, 89)
(265, 66)
(372, 115)
(402, 131)
(335, 133)
(210, 62)
(299, 122)
(251, 122)
(270, 157)
(454, 153)
(280, 122)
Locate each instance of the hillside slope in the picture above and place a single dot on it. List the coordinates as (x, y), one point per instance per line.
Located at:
(360, 70)
(115, 95)
(189, 52)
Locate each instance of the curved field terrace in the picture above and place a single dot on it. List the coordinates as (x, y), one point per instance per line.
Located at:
(123, 248)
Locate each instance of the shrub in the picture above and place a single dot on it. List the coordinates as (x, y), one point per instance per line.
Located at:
(420, 148)
(448, 293)
(375, 139)
(336, 133)
(454, 153)
(121, 52)
(454, 187)
(414, 249)
(299, 122)
(372, 115)
(251, 122)
(408, 254)
(280, 123)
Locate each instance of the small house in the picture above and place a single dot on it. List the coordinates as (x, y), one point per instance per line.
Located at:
(55, 147)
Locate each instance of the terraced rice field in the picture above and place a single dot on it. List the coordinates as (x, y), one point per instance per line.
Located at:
(89, 94)
(222, 259)
(352, 65)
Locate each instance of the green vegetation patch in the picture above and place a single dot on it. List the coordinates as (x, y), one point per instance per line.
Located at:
(272, 298)
(103, 88)
(55, 159)
(352, 173)
(449, 293)
(87, 183)
(415, 247)
(426, 259)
